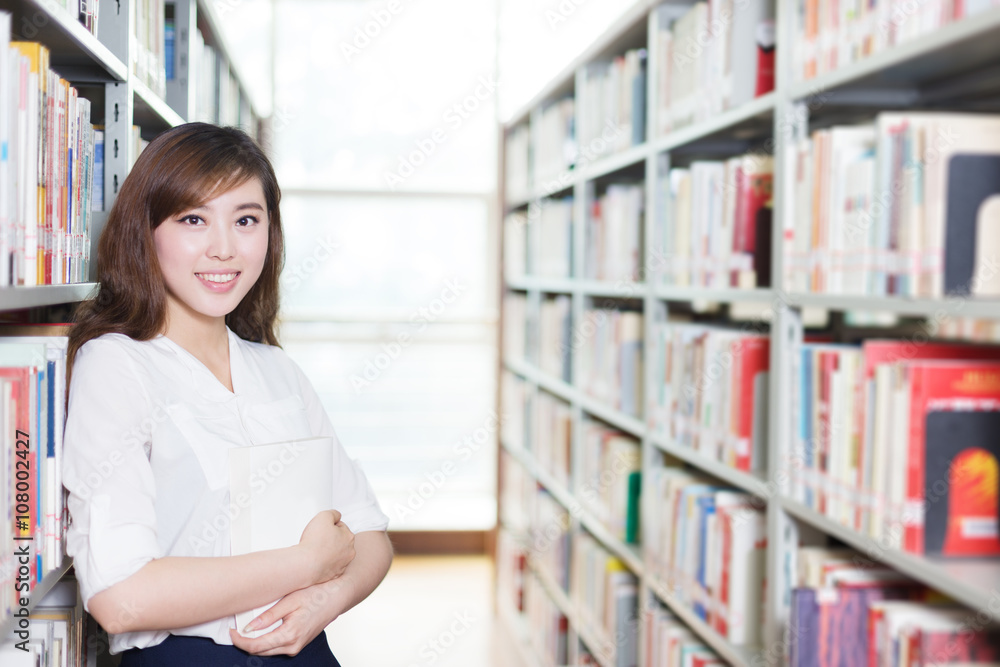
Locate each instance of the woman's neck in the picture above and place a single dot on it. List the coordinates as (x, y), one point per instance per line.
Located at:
(206, 338)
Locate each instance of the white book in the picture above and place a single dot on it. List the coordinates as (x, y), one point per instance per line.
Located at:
(279, 488)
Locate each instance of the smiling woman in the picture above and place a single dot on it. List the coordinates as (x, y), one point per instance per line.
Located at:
(183, 328)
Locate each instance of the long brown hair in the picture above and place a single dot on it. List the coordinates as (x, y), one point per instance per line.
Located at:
(181, 168)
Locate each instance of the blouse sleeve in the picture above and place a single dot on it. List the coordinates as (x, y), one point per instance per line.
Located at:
(106, 471)
(353, 495)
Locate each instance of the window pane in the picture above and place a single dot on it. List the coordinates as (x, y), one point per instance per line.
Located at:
(358, 90)
(390, 258)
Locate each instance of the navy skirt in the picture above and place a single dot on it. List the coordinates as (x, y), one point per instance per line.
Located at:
(178, 651)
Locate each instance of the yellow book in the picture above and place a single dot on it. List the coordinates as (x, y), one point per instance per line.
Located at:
(38, 55)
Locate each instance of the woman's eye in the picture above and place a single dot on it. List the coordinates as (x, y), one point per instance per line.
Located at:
(246, 221)
(193, 219)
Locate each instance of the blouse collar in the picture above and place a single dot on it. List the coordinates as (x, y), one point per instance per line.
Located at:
(203, 380)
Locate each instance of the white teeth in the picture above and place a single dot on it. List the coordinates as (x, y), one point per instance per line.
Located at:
(217, 277)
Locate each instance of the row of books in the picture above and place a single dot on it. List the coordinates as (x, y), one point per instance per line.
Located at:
(511, 571)
(829, 36)
(607, 596)
(553, 258)
(147, 47)
(517, 163)
(846, 610)
(610, 346)
(552, 442)
(515, 310)
(516, 409)
(549, 533)
(716, 230)
(614, 234)
(610, 479)
(547, 624)
(711, 56)
(555, 336)
(896, 207)
(86, 11)
(552, 255)
(670, 643)
(219, 99)
(708, 544)
(58, 630)
(47, 165)
(515, 245)
(612, 109)
(900, 440)
(554, 149)
(516, 492)
(541, 152)
(32, 412)
(712, 396)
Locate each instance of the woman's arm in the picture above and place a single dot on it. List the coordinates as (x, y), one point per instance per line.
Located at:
(306, 613)
(175, 592)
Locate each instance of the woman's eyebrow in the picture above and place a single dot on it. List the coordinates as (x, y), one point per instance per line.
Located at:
(250, 205)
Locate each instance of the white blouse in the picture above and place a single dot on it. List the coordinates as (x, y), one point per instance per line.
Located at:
(145, 459)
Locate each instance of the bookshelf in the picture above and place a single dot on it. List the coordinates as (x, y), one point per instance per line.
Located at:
(938, 70)
(122, 97)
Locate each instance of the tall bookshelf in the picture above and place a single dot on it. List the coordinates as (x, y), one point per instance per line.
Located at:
(99, 66)
(931, 71)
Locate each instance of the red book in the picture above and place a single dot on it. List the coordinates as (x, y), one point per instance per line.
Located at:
(752, 355)
(754, 179)
(878, 352)
(954, 448)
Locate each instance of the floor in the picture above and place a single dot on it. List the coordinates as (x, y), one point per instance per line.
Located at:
(429, 610)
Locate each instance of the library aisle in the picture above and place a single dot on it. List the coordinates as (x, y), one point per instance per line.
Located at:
(438, 611)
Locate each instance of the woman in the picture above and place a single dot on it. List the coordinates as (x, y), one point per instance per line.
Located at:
(174, 362)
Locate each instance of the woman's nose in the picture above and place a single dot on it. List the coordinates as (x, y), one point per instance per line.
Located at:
(221, 242)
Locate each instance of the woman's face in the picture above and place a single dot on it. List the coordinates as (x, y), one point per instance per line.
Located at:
(211, 255)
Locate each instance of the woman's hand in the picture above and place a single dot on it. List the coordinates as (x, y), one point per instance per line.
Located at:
(304, 614)
(329, 543)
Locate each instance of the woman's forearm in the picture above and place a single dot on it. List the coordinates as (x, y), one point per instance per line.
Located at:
(332, 598)
(175, 592)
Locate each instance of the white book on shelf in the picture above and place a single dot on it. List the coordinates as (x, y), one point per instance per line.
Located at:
(279, 488)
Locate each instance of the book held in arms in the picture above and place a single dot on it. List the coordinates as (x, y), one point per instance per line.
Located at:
(46, 169)
(277, 489)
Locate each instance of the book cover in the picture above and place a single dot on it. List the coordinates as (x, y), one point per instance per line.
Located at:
(947, 398)
(279, 505)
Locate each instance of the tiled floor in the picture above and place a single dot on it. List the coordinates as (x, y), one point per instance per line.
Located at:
(430, 610)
